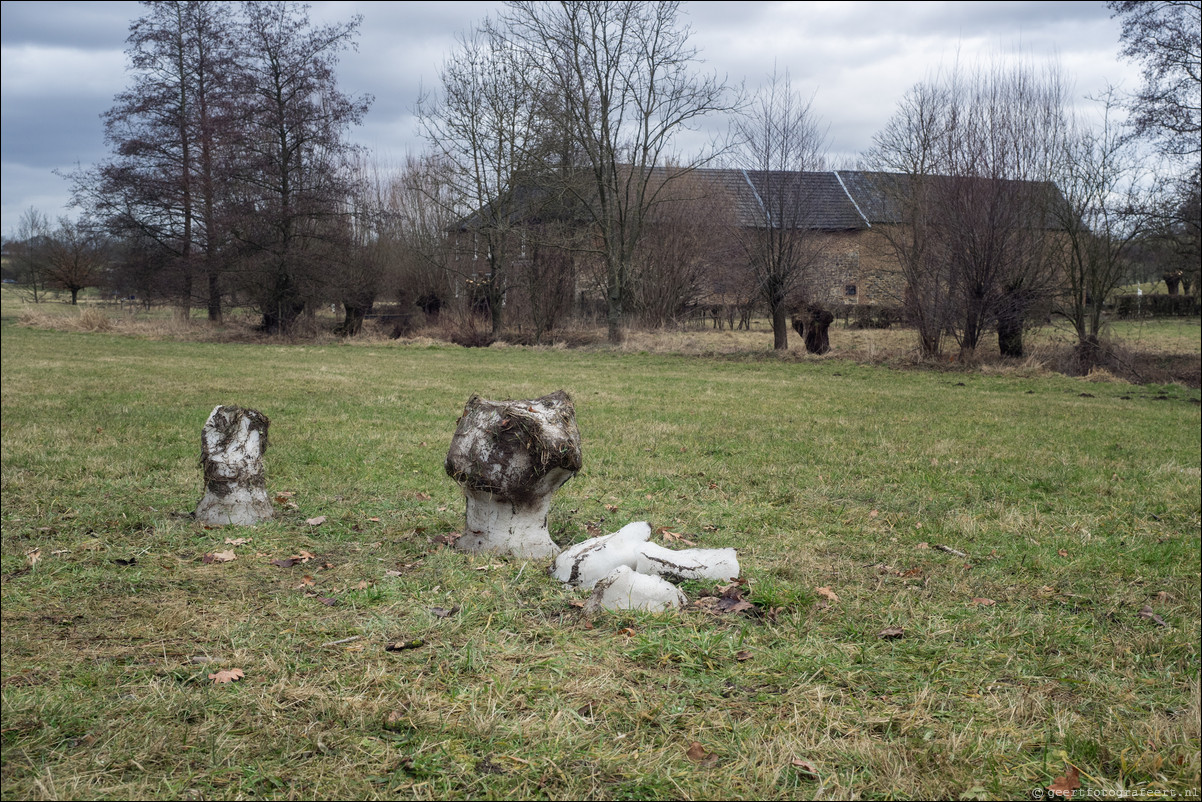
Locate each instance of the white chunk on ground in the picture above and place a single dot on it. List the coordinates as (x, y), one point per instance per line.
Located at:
(682, 564)
(625, 589)
(586, 563)
(232, 444)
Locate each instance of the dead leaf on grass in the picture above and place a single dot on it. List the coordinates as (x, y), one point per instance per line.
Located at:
(628, 632)
(873, 514)
(923, 545)
(374, 520)
(806, 769)
(1062, 552)
(827, 593)
(283, 562)
(227, 675)
(1063, 787)
(218, 557)
(448, 539)
(442, 612)
(982, 601)
(1148, 613)
(123, 562)
(327, 601)
(891, 633)
(33, 555)
(237, 541)
(743, 656)
(318, 521)
(402, 645)
(700, 755)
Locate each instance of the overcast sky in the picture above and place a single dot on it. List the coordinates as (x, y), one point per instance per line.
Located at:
(62, 63)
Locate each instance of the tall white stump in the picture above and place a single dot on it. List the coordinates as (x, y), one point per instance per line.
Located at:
(231, 453)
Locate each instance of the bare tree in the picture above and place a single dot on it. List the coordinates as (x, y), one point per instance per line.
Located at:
(170, 133)
(76, 257)
(1102, 215)
(624, 80)
(485, 129)
(780, 140)
(1165, 37)
(28, 250)
(292, 178)
(977, 150)
(907, 153)
(688, 240)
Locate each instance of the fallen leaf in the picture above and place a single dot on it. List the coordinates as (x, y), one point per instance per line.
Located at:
(873, 514)
(318, 521)
(284, 495)
(743, 656)
(576, 603)
(923, 545)
(698, 754)
(449, 538)
(123, 562)
(284, 562)
(827, 593)
(628, 632)
(983, 601)
(891, 633)
(227, 675)
(237, 541)
(402, 645)
(806, 769)
(1062, 552)
(442, 612)
(1148, 613)
(363, 585)
(611, 507)
(1164, 596)
(374, 520)
(327, 601)
(224, 556)
(1064, 786)
(33, 556)
(422, 496)
(308, 580)
(910, 574)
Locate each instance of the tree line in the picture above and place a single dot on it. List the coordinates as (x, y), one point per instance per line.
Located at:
(554, 180)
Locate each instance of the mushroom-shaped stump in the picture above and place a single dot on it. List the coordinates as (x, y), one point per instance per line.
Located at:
(510, 457)
(231, 453)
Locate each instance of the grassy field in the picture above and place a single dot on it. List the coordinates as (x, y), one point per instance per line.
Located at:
(1065, 639)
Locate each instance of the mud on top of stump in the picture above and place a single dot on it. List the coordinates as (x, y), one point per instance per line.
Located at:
(515, 450)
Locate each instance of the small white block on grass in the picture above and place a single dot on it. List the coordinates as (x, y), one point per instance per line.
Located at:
(586, 563)
(625, 589)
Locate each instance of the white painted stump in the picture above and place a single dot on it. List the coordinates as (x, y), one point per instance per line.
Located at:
(231, 454)
(510, 457)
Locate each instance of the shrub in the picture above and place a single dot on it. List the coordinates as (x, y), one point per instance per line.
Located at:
(1155, 305)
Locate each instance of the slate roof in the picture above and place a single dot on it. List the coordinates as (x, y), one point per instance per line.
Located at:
(839, 200)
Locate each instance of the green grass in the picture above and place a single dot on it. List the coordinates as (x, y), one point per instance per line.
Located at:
(1077, 503)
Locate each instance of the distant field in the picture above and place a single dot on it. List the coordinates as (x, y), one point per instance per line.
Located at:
(1065, 639)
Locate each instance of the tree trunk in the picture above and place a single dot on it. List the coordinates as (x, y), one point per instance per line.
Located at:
(1010, 334)
(817, 337)
(780, 327)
